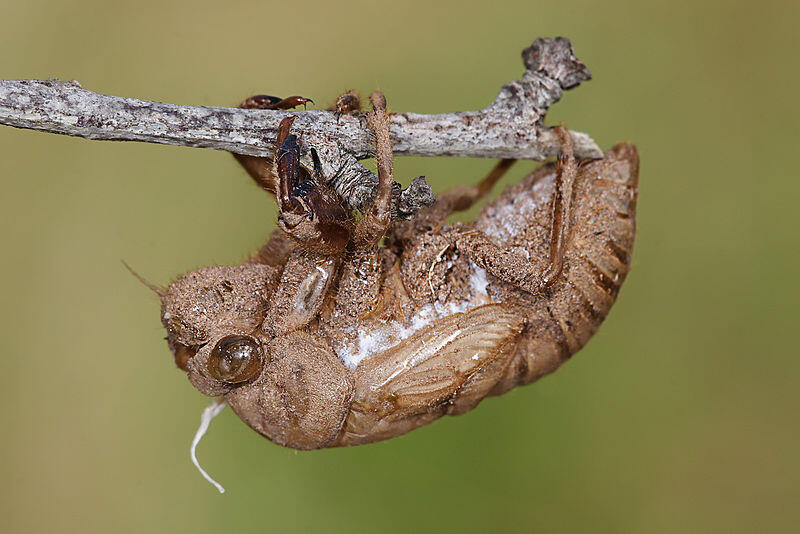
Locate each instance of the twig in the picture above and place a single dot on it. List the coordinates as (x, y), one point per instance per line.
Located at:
(511, 127)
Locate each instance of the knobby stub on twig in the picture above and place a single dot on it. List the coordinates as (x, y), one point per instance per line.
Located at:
(510, 127)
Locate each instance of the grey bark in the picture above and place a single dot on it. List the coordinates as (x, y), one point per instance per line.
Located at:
(510, 127)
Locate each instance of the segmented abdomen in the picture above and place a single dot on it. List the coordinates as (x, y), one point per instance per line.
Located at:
(563, 318)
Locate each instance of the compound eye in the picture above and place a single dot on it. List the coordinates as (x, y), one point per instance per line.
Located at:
(235, 359)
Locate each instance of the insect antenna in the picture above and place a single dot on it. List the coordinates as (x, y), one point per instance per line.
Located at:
(160, 291)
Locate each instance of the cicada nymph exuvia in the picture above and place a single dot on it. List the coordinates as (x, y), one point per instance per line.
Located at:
(344, 330)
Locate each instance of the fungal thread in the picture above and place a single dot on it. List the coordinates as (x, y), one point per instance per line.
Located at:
(209, 413)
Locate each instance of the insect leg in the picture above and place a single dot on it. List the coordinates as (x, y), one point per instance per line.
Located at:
(460, 198)
(464, 197)
(287, 167)
(300, 292)
(357, 295)
(504, 263)
(275, 250)
(274, 102)
(378, 216)
(566, 171)
(529, 274)
(346, 103)
(259, 169)
(309, 211)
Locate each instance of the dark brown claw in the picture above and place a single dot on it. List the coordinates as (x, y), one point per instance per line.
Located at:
(293, 102)
(283, 131)
(310, 211)
(274, 102)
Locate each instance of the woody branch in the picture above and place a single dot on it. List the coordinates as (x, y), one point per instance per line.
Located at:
(510, 127)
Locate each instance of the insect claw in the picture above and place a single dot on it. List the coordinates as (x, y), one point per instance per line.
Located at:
(293, 102)
(274, 102)
(283, 130)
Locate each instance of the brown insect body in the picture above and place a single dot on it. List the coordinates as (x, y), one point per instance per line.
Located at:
(368, 342)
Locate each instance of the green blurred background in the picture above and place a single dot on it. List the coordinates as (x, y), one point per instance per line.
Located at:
(679, 416)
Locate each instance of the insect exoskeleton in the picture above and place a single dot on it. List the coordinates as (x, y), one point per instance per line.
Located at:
(313, 351)
(328, 338)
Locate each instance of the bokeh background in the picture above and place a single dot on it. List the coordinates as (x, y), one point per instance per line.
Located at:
(681, 415)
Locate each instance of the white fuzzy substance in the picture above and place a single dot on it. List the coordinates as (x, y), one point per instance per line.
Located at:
(375, 340)
(506, 220)
(210, 412)
(478, 281)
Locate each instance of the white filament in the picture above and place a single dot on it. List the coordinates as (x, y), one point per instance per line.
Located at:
(210, 412)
